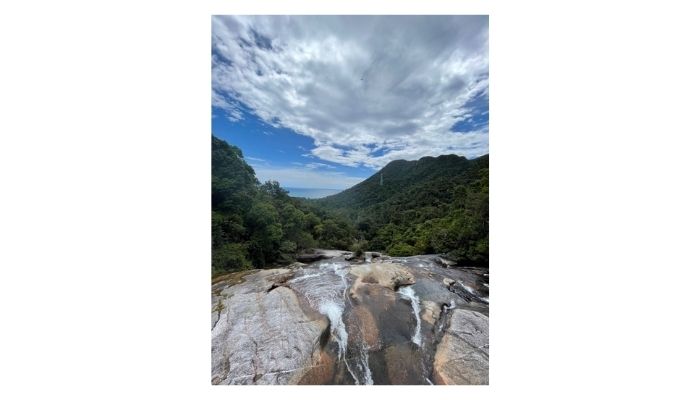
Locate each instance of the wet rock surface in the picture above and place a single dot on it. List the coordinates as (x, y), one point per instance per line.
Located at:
(262, 336)
(377, 320)
(462, 357)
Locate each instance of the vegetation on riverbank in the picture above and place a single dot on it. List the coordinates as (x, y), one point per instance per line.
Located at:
(432, 205)
(255, 225)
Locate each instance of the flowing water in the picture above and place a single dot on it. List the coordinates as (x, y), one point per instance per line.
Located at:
(407, 292)
(325, 289)
(384, 334)
(397, 316)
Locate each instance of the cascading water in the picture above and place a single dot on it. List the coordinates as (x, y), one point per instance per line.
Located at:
(325, 290)
(368, 330)
(472, 292)
(409, 293)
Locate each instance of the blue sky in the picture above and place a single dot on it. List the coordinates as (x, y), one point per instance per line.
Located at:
(324, 102)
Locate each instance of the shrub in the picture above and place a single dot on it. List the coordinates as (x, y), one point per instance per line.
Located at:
(230, 257)
(401, 250)
(359, 247)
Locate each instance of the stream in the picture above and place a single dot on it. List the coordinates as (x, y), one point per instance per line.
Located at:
(370, 320)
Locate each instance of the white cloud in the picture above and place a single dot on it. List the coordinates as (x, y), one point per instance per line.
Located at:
(316, 165)
(368, 90)
(254, 159)
(305, 177)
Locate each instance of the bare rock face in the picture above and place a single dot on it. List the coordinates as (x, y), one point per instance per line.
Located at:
(403, 364)
(362, 325)
(462, 357)
(322, 372)
(431, 311)
(401, 320)
(262, 335)
(388, 275)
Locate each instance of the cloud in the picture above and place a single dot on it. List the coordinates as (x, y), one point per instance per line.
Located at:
(255, 159)
(305, 177)
(316, 165)
(367, 90)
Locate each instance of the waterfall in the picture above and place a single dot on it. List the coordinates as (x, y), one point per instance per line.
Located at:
(326, 290)
(407, 292)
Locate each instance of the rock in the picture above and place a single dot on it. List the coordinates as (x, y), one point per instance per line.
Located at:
(309, 258)
(332, 253)
(257, 281)
(296, 265)
(466, 292)
(353, 257)
(403, 364)
(262, 336)
(445, 263)
(321, 373)
(431, 311)
(362, 325)
(321, 254)
(391, 276)
(274, 326)
(462, 356)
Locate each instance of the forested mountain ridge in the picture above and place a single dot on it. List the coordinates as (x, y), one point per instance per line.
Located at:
(257, 225)
(432, 205)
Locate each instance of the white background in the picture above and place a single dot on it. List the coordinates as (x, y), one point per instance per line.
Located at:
(104, 212)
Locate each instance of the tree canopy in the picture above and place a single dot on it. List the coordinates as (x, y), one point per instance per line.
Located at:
(432, 205)
(258, 225)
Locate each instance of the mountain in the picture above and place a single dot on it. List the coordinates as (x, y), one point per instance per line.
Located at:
(432, 205)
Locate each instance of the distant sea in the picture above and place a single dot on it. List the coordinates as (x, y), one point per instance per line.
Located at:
(311, 193)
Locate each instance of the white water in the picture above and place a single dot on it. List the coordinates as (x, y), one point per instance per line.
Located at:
(326, 291)
(363, 366)
(303, 277)
(335, 316)
(467, 288)
(407, 292)
(470, 290)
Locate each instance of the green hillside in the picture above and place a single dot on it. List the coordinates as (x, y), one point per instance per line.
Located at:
(432, 205)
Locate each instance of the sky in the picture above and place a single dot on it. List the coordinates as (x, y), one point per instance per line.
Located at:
(326, 101)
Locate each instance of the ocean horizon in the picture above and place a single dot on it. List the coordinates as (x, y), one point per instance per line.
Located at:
(311, 193)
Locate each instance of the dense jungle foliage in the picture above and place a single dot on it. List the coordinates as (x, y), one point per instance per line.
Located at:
(433, 205)
(256, 225)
